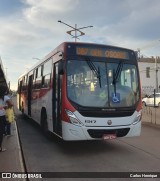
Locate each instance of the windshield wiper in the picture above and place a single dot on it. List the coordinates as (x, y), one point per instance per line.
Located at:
(117, 75)
(94, 70)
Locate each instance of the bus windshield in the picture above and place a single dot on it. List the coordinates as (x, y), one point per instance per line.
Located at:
(102, 83)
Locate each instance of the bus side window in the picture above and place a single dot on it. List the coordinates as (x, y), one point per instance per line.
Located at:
(47, 68)
(39, 74)
(19, 86)
(46, 81)
(34, 78)
(46, 78)
(24, 83)
(37, 80)
(38, 83)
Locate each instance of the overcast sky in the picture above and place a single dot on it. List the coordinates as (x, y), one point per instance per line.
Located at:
(29, 28)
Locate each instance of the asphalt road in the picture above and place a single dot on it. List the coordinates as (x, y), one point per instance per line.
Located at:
(139, 154)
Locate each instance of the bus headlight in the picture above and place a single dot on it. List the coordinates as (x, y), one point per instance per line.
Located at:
(73, 119)
(138, 118)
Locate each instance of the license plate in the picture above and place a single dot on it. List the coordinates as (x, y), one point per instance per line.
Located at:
(109, 136)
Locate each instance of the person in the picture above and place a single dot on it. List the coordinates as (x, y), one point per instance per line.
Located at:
(9, 116)
(4, 103)
(9, 120)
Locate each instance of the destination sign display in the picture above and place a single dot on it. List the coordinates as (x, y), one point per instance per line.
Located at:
(102, 52)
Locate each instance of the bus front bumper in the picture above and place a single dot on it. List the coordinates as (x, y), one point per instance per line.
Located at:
(72, 132)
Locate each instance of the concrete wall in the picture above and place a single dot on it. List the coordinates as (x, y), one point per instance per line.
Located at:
(148, 84)
(151, 115)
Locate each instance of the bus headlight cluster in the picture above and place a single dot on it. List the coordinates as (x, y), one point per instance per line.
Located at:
(138, 118)
(73, 119)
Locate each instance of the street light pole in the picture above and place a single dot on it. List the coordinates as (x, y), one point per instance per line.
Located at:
(75, 29)
(36, 58)
(156, 74)
(75, 32)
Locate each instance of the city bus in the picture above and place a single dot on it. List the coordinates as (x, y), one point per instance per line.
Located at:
(84, 91)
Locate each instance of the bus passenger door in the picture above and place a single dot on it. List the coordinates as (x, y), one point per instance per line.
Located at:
(30, 94)
(56, 101)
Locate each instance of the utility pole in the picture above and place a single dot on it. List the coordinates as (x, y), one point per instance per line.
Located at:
(156, 73)
(75, 30)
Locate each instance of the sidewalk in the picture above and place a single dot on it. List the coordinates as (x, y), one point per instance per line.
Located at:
(11, 159)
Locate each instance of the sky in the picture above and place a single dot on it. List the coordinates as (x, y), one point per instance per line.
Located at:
(30, 29)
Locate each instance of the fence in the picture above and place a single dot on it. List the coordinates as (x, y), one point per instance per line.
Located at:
(151, 115)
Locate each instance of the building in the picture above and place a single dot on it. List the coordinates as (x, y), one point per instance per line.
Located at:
(150, 74)
(3, 80)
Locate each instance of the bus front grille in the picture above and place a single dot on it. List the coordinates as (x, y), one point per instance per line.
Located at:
(104, 114)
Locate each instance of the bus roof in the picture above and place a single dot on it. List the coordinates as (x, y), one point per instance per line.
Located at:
(61, 48)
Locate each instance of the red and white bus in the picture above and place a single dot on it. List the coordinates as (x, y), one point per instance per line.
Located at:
(83, 91)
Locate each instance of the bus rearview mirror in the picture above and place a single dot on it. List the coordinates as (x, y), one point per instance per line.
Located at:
(61, 67)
